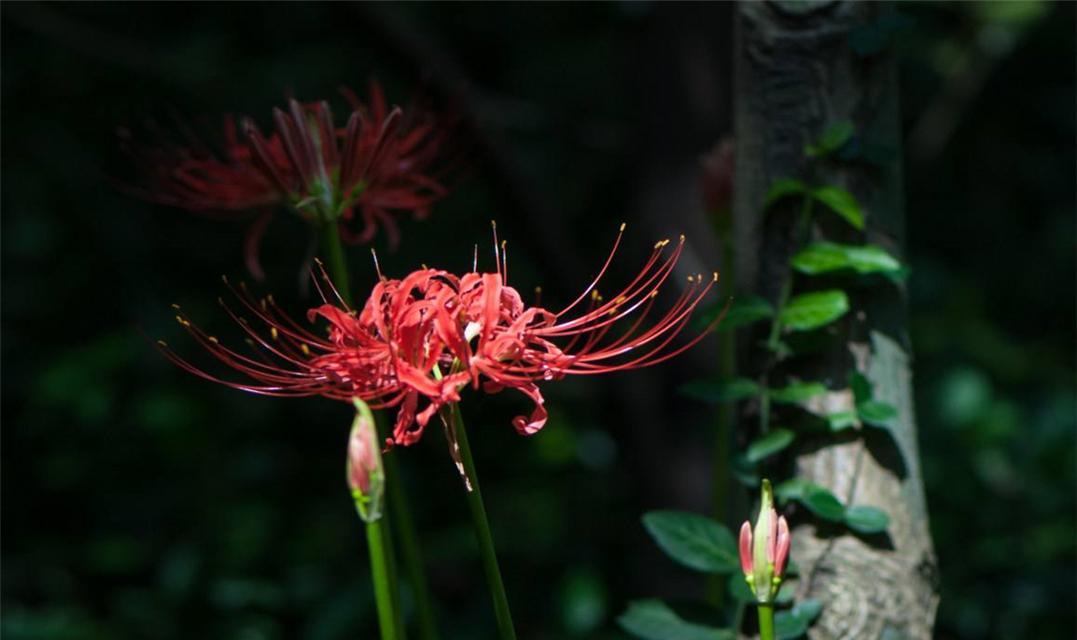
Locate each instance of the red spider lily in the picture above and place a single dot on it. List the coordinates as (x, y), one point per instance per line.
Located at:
(382, 163)
(423, 338)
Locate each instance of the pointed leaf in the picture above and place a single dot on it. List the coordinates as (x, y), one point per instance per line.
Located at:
(769, 444)
(864, 519)
(876, 413)
(824, 504)
(693, 540)
(813, 310)
(842, 203)
(729, 390)
(834, 138)
(824, 257)
(783, 188)
(841, 420)
(792, 489)
(654, 620)
(861, 386)
(797, 392)
(744, 311)
(795, 622)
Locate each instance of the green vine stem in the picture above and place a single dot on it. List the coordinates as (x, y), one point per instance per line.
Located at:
(766, 621)
(382, 573)
(803, 226)
(482, 529)
(398, 507)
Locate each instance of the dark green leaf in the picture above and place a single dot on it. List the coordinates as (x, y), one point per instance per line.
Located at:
(654, 620)
(841, 420)
(721, 390)
(782, 189)
(693, 540)
(842, 203)
(876, 413)
(797, 392)
(738, 588)
(861, 386)
(824, 257)
(823, 503)
(865, 519)
(746, 310)
(792, 489)
(769, 444)
(813, 310)
(795, 622)
(834, 138)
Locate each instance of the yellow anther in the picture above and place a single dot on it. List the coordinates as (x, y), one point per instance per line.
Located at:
(654, 293)
(271, 300)
(175, 306)
(716, 276)
(162, 343)
(682, 238)
(213, 340)
(263, 303)
(273, 332)
(305, 349)
(661, 243)
(493, 224)
(224, 278)
(623, 226)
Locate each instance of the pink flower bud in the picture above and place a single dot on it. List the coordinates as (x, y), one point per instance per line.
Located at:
(781, 555)
(746, 548)
(366, 478)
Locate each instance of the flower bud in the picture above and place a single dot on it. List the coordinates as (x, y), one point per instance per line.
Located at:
(764, 551)
(366, 477)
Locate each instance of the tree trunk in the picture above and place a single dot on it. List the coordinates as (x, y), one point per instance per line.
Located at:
(796, 74)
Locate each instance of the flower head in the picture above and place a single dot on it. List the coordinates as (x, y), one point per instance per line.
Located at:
(383, 162)
(764, 552)
(420, 340)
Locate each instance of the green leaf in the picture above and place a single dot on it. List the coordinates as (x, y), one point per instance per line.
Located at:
(654, 620)
(769, 444)
(738, 588)
(783, 188)
(797, 392)
(729, 390)
(795, 622)
(861, 386)
(876, 413)
(693, 540)
(792, 489)
(824, 257)
(823, 504)
(865, 519)
(834, 138)
(813, 310)
(842, 203)
(744, 311)
(841, 420)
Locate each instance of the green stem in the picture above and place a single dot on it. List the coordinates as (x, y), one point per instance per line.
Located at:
(766, 621)
(398, 508)
(413, 563)
(384, 586)
(482, 531)
(336, 262)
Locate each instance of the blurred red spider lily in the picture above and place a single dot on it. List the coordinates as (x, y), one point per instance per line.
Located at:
(423, 338)
(383, 162)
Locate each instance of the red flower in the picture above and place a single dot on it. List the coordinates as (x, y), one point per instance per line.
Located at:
(419, 340)
(382, 163)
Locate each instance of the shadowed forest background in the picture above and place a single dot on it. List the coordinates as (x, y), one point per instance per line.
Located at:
(142, 502)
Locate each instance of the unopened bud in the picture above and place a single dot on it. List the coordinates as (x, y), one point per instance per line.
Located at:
(764, 552)
(366, 476)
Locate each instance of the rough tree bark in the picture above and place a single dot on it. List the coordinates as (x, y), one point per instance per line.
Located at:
(796, 74)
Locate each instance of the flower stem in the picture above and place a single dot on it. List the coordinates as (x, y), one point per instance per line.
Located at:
(398, 507)
(384, 584)
(766, 621)
(482, 531)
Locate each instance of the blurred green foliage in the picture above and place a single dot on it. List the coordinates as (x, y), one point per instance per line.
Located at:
(140, 502)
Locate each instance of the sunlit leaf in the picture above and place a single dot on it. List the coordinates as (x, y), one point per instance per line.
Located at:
(841, 420)
(876, 413)
(693, 540)
(842, 203)
(797, 392)
(813, 310)
(769, 444)
(866, 519)
(824, 257)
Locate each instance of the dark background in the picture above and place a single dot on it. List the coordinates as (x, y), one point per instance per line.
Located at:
(141, 502)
